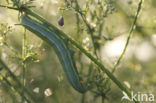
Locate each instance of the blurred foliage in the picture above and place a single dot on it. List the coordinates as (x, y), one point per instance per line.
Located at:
(101, 27)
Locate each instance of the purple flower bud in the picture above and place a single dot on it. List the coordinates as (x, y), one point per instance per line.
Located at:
(61, 21)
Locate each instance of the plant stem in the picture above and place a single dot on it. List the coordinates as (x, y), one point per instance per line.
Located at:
(12, 86)
(79, 58)
(78, 9)
(83, 98)
(8, 7)
(129, 36)
(103, 100)
(23, 64)
(16, 79)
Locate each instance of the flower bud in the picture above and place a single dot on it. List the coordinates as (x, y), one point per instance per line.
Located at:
(61, 21)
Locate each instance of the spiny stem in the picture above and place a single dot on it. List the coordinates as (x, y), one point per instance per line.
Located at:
(129, 36)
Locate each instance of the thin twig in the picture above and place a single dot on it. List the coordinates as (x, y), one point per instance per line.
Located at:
(23, 64)
(83, 98)
(12, 86)
(78, 9)
(8, 7)
(103, 99)
(16, 79)
(129, 36)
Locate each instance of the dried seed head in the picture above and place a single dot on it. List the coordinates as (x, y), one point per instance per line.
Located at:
(61, 21)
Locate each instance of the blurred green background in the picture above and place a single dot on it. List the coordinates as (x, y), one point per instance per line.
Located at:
(46, 80)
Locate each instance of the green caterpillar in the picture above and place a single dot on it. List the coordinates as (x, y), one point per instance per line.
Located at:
(60, 45)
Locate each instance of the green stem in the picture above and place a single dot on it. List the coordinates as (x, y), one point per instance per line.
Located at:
(103, 100)
(12, 86)
(16, 80)
(8, 7)
(83, 98)
(23, 64)
(129, 36)
(79, 58)
(78, 9)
